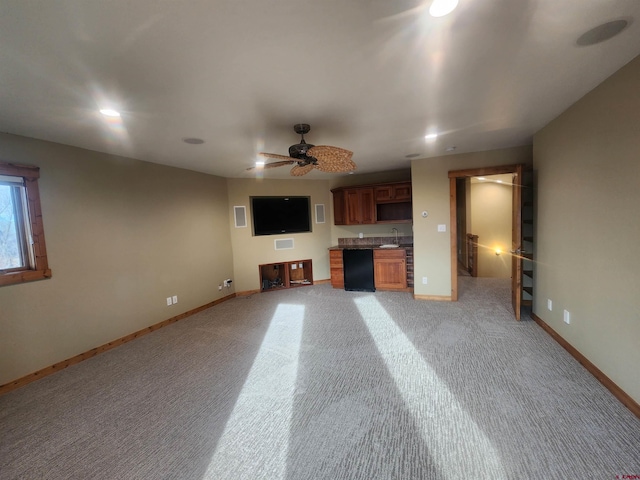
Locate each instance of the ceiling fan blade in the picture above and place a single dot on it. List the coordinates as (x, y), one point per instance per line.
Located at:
(298, 170)
(276, 156)
(274, 164)
(332, 159)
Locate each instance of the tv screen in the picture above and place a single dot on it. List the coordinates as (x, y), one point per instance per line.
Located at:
(277, 215)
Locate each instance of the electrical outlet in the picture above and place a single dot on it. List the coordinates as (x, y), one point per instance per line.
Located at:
(549, 305)
(169, 301)
(425, 280)
(220, 287)
(175, 299)
(567, 317)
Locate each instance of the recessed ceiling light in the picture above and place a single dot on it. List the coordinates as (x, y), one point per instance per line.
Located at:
(259, 163)
(481, 178)
(431, 136)
(412, 155)
(109, 112)
(498, 181)
(193, 140)
(602, 32)
(440, 8)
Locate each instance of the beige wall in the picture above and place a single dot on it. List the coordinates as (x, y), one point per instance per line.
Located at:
(588, 226)
(121, 236)
(250, 251)
(491, 205)
(432, 249)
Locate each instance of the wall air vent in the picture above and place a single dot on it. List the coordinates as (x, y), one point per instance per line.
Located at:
(240, 215)
(319, 213)
(284, 244)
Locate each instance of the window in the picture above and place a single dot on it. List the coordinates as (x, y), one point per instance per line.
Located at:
(23, 256)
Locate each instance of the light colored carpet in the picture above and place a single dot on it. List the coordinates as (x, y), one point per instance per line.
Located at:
(316, 383)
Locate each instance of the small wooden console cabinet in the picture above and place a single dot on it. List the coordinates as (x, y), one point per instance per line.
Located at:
(276, 276)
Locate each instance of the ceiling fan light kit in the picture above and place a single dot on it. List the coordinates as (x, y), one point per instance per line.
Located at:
(305, 157)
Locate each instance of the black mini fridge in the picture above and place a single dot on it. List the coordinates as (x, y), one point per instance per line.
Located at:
(358, 270)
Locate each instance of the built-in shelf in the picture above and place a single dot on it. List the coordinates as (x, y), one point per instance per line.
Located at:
(276, 276)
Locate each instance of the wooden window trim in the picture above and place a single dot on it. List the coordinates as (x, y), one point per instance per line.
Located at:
(40, 268)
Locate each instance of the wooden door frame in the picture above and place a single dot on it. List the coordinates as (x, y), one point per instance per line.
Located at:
(453, 228)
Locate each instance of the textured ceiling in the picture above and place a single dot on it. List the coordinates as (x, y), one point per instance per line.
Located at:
(371, 76)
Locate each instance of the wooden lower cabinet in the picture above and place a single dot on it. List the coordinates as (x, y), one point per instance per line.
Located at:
(390, 269)
(336, 267)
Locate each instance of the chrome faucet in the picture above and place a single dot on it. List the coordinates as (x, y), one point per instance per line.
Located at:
(396, 231)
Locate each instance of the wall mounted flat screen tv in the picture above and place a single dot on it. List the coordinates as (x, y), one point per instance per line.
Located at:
(278, 215)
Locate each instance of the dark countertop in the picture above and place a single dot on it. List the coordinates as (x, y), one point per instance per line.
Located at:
(367, 247)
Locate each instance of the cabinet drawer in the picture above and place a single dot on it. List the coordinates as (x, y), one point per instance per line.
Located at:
(389, 253)
(335, 258)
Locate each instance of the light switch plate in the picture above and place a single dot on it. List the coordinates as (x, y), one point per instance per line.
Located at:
(175, 299)
(169, 301)
(442, 228)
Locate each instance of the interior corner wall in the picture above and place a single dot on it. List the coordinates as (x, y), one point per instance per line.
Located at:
(587, 226)
(121, 236)
(491, 215)
(430, 187)
(250, 251)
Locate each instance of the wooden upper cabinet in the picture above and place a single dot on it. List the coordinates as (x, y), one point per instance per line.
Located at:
(363, 205)
(384, 193)
(339, 208)
(402, 192)
(399, 192)
(367, 206)
(359, 206)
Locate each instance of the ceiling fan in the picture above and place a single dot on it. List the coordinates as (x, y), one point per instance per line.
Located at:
(305, 157)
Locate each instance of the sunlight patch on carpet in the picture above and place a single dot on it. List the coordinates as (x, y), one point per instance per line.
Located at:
(256, 437)
(457, 444)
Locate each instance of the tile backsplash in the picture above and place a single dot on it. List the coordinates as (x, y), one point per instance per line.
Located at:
(353, 241)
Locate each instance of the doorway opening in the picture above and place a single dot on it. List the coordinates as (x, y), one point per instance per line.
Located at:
(508, 250)
(483, 208)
